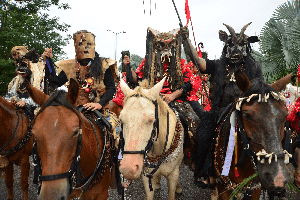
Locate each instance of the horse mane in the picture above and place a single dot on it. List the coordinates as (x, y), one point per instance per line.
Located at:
(258, 86)
(7, 103)
(162, 104)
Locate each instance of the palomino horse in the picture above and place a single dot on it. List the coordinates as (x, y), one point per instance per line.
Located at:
(153, 134)
(15, 144)
(261, 116)
(73, 153)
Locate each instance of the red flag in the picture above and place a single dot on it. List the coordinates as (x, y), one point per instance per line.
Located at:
(187, 12)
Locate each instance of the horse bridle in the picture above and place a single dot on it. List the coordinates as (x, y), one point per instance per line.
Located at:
(247, 149)
(20, 144)
(150, 144)
(75, 167)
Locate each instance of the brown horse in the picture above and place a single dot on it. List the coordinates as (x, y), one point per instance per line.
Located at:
(261, 117)
(15, 144)
(69, 145)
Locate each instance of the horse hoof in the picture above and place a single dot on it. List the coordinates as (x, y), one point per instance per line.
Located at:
(3, 162)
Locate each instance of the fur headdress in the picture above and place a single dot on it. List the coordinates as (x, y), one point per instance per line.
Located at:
(161, 46)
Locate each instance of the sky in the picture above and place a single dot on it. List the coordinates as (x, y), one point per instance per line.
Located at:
(98, 16)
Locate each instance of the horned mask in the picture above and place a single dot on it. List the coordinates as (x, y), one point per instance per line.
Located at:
(84, 43)
(236, 43)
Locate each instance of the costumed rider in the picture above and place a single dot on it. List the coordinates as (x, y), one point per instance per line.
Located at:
(97, 77)
(223, 89)
(163, 59)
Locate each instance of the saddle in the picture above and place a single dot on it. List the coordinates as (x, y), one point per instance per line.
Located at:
(189, 120)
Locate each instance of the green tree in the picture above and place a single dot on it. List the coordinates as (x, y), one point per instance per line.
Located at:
(280, 40)
(135, 61)
(24, 22)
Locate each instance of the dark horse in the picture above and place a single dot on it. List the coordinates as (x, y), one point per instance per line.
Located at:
(260, 117)
(15, 144)
(73, 153)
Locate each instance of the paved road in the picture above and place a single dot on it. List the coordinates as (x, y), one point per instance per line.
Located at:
(134, 192)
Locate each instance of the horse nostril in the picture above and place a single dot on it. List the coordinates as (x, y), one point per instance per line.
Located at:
(137, 168)
(268, 177)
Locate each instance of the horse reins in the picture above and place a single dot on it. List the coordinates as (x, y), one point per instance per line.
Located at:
(154, 133)
(20, 144)
(75, 167)
(247, 149)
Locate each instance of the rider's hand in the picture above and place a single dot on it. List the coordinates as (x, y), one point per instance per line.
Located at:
(20, 104)
(126, 61)
(184, 31)
(168, 97)
(92, 106)
(47, 53)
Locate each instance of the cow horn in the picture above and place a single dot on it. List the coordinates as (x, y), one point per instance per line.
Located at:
(232, 32)
(244, 28)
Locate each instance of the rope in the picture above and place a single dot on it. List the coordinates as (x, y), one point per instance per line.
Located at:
(194, 34)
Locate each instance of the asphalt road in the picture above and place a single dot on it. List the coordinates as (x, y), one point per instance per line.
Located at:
(134, 192)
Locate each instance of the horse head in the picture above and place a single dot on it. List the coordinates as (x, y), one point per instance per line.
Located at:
(56, 129)
(264, 123)
(137, 117)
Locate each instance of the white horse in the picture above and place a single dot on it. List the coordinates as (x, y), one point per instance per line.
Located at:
(142, 109)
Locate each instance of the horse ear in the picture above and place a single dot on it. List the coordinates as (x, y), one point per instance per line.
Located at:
(124, 87)
(242, 81)
(154, 92)
(37, 96)
(73, 91)
(281, 83)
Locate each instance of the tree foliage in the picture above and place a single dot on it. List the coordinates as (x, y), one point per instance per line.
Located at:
(28, 23)
(280, 40)
(135, 61)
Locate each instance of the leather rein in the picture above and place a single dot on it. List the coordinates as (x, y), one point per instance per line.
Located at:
(150, 144)
(75, 174)
(247, 149)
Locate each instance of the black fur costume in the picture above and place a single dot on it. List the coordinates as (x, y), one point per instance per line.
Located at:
(222, 92)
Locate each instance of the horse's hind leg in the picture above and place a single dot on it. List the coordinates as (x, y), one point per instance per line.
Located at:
(173, 180)
(25, 166)
(9, 180)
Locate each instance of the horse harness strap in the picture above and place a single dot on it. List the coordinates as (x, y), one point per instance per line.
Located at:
(154, 133)
(155, 130)
(247, 149)
(20, 144)
(75, 167)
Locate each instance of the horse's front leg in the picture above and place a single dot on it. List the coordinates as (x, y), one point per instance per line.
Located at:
(25, 167)
(9, 180)
(173, 181)
(149, 194)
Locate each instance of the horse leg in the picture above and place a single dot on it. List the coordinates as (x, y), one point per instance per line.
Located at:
(297, 170)
(173, 181)
(9, 180)
(149, 194)
(25, 166)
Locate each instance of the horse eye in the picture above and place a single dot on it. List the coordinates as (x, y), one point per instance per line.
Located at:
(247, 116)
(76, 133)
(80, 43)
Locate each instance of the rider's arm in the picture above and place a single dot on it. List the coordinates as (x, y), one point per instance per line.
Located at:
(110, 88)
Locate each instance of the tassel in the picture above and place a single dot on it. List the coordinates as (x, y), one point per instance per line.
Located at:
(236, 172)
